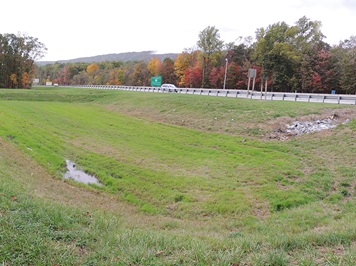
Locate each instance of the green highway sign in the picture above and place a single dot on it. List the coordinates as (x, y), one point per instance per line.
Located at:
(156, 81)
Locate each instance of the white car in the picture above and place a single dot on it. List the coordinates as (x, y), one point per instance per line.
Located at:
(170, 87)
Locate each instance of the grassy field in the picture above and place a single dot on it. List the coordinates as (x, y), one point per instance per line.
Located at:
(187, 180)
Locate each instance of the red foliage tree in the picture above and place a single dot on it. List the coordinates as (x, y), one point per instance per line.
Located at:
(316, 83)
(193, 76)
(216, 77)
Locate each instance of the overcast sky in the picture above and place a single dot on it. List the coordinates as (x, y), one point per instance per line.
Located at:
(79, 28)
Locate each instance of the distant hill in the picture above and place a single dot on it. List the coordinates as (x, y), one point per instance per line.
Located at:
(130, 56)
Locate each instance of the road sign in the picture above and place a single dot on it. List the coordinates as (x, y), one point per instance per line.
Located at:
(156, 81)
(251, 73)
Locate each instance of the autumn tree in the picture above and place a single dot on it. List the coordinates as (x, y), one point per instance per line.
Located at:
(17, 56)
(187, 68)
(92, 70)
(324, 69)
(167, 73)
(140, 75)
(276, 54)
(286, 52)
(81, 79)
(193, 76)
(181, 64)
(155, 66)
(308, 39)
(209, 42)
(64, 75)
(113, 77)
(76, 68)
(345, 67)
(236, 76)
(216, 77)
(14, 82)
(120, 75)
(241, 52)
(240, 58)
(25, 79)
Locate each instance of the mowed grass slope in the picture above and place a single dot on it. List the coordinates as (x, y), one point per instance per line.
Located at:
(188, 169)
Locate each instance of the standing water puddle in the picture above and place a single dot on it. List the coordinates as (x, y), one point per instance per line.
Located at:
(79, 175)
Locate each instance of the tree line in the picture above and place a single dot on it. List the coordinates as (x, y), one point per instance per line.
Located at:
(17, 57)
(289, 58)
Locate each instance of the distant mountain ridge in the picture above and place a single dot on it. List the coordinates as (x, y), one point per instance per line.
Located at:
(129, 56)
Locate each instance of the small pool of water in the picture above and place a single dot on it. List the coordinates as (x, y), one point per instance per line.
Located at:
(79, 175)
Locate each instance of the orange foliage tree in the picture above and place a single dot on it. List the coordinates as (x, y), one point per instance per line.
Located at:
(13, 78)
(185, 64)
(92, 70)
(155, 66)
(25, 79)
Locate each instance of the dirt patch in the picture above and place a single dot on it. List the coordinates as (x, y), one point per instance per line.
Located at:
(261, 210)
(325, 252)
(284, 128)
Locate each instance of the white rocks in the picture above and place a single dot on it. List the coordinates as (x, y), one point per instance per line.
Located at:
(298, 127)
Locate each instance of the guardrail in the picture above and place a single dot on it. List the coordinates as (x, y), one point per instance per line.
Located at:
(302, 97)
